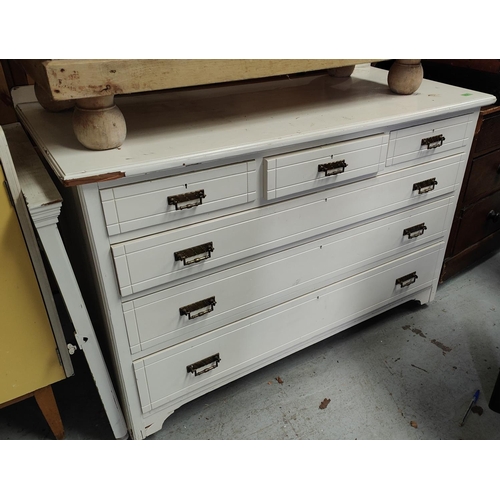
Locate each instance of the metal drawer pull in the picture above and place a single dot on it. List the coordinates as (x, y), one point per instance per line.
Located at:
(206, 306)
(433, 142)
(414, 231)
(494, 216)
(196, 254)
(425, 186)
(333, 168)
(213, 361)
(407, 280)
(185, 197)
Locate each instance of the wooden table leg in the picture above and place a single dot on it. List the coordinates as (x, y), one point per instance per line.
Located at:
(98, 123)
(405, 76)
(48, 406)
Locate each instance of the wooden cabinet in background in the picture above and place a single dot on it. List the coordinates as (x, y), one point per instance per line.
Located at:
(476, 227)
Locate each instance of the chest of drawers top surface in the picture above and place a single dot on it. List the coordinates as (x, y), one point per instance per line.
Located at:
(181, 128)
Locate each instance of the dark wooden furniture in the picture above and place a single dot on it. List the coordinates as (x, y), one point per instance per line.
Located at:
(476, 228)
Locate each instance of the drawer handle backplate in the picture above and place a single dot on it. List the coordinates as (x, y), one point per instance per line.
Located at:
(414, 231)
(433, 142)
(187, 197)
(203, 307)
(195, 254)
(407, 280)
(332, 168)
(213, 361)
(425, 186)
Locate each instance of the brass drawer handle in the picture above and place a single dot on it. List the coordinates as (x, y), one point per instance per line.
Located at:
(414, 231)
(407, 280)
(203, 307)
(433, 142)
(186, 197)
(333, 168)
(195, 254)
(494, 216)
(213, 361)
(425, 186)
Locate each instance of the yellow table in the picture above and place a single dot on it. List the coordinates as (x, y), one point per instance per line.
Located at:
(29, 362)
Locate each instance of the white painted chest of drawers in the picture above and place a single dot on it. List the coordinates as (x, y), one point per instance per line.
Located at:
(242, 223)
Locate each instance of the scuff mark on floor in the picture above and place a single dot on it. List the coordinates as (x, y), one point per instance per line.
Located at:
(441, 345)
(324, 404)
(414, 366)
(415, 330)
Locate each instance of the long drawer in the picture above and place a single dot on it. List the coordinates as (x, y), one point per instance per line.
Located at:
(184, 311)
(188, 367)
(157, 201)
(159, 259)
(325, 166)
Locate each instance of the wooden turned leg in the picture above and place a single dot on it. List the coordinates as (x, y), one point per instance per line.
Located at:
(405, 76)
(98, 123)
(48, 406)
(343, 72)
(48, 103)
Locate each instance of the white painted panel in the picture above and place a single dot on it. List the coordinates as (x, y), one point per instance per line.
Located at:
(150, 260)
(266, 282)
(406, 144)
(249, 341)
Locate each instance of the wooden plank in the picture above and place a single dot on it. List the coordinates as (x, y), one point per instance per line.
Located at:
(74, 79)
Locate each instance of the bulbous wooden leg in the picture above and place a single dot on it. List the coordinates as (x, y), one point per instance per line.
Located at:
(343, 72)
(98, 123)
(47, 103)
(405, 76)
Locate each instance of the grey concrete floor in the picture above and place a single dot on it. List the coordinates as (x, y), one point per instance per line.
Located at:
(408, 374)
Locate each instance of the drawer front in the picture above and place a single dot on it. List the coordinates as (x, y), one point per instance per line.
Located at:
(325, 166)
(165, 317)
(488, 135)
(156, 260)
(484, 177)
(478, 221)
(169, 375)
(163, 200)
(425, 141)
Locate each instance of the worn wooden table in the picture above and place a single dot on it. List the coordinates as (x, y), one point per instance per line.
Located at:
(91, 84)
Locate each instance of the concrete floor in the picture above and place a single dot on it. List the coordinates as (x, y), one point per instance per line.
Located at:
(408, 374)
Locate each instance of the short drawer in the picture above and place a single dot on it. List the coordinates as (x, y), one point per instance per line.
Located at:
(148, 203)
(484, 178)
(185, 311)
(159, 259)
(325, 166)
(425, 141)
(206, 362)
(478, 221)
